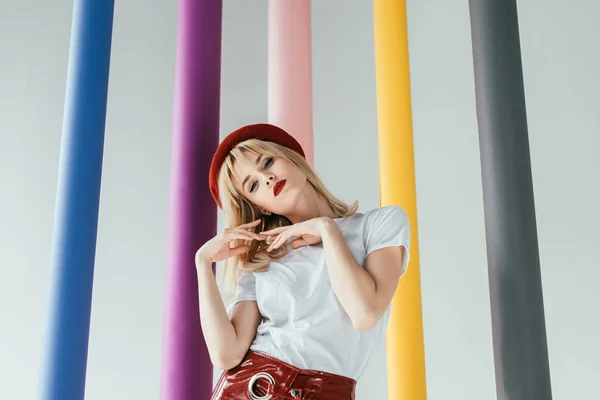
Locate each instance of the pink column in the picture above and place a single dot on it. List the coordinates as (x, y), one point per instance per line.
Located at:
(290, 70)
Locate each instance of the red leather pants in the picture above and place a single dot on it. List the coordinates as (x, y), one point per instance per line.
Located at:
(261, 377)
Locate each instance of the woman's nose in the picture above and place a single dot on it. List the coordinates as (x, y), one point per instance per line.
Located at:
(269, 179)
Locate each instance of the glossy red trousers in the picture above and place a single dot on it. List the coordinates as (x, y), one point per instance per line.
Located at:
(261, 377)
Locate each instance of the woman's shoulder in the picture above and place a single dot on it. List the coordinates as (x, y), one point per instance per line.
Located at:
(390, 214)
(384, 212)
(370, 218)
(389, 208)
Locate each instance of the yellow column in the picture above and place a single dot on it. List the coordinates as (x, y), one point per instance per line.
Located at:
(405, 349)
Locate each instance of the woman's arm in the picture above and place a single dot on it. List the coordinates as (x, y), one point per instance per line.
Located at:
(364, 293)
(227, 339)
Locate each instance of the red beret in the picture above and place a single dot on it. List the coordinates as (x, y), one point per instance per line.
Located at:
(266, 132)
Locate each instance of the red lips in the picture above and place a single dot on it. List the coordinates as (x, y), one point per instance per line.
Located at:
(278, 187)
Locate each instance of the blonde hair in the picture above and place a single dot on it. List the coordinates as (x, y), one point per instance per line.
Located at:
(239, 210)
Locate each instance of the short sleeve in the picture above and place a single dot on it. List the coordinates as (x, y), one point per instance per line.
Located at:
(385, 227)
(245, 290)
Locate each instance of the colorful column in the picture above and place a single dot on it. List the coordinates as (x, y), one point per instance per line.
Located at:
(405, 348)
(290, 70)
(64, 361)
(186, 367)
(518, 327)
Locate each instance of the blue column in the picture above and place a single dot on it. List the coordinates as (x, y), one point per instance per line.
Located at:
(63, 367)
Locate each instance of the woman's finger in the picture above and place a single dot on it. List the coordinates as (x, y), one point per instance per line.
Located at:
(275, 231)
(240, 235)
(278, 242)
(282, 239)
(250, 224)
(273, 242)
(253, 234)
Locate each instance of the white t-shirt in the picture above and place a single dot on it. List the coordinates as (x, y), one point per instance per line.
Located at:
(303, 323)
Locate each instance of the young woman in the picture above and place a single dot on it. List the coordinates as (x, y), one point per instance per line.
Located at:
(313, 279)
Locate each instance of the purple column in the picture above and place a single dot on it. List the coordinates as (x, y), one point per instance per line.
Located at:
(186, 367)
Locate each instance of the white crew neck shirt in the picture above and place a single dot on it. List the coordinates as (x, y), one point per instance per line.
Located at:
(303, 322)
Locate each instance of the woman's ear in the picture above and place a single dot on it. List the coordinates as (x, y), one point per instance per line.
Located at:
(263, 211)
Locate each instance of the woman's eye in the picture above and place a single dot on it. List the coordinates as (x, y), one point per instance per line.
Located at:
(253, 187)
(269, 162)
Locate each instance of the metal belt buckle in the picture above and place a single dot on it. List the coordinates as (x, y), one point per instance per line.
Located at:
(253, 380)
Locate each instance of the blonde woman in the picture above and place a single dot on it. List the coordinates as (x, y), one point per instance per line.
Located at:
(312, 278)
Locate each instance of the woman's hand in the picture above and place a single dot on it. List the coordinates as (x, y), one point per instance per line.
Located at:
(218, 248)
(308, 232)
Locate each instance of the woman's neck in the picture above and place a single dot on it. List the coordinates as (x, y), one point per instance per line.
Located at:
(310, 206)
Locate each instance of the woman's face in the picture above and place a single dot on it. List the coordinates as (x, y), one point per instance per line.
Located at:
(272, 183)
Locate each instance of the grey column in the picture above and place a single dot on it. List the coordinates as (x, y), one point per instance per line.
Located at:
(518, 327)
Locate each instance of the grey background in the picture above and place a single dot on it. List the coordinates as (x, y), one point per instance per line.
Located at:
(561, 60)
